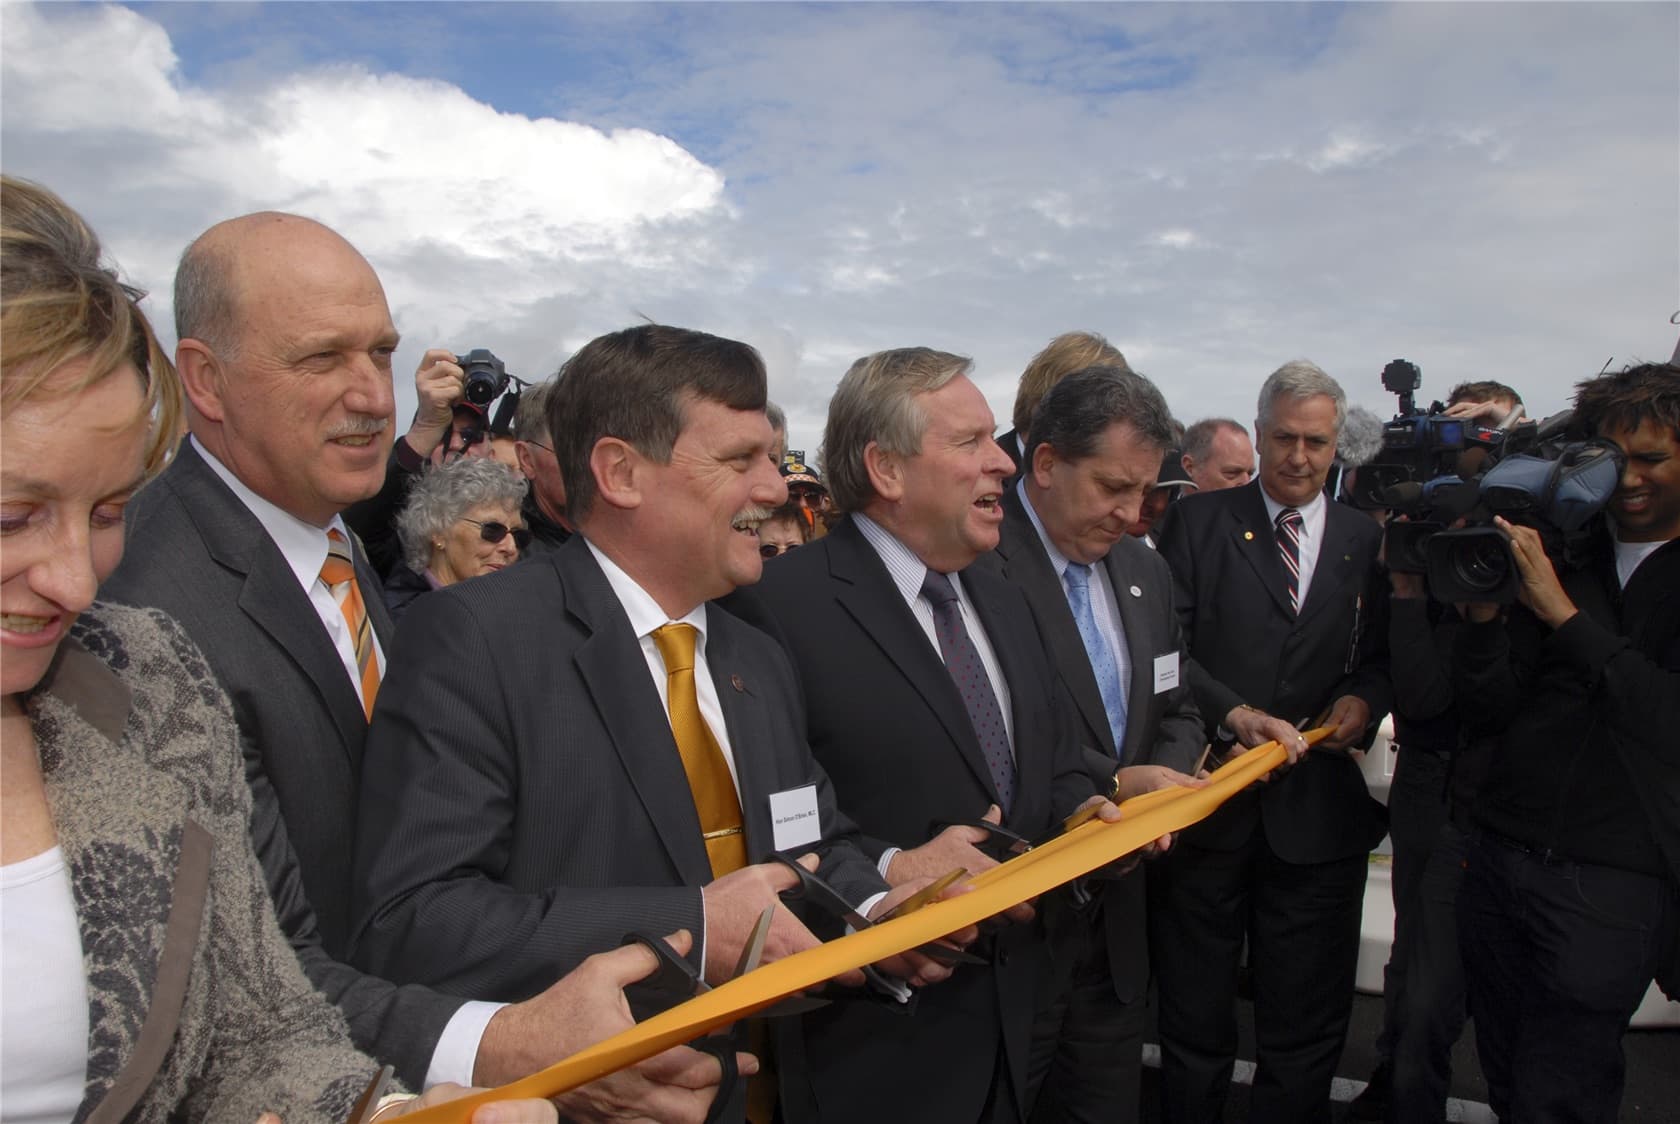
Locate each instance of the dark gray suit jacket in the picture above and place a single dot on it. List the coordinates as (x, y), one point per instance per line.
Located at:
(887, 722)
(523, 801)
(196, 552)
(1162, 728)
(1232, 598)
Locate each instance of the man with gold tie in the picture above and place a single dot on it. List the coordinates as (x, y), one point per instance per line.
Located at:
(285, 351)
(581, 746)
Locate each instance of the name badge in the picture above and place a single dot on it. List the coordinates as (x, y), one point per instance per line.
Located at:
(1166, 672)
(794, 821)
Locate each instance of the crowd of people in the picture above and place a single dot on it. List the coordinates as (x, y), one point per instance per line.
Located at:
(657, 673)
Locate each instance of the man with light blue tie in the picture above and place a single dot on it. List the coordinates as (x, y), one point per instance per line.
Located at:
(1102, 602)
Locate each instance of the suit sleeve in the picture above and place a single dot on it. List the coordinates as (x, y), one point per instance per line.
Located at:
(397, 1025)
(440, 797)
(1212, 698)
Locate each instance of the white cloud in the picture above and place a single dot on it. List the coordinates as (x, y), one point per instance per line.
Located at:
(1215, 187)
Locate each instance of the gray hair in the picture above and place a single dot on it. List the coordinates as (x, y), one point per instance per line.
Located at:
(1361, 438)
(1300, 379)
(445, 493)
(530, 420)
(876, 401)
(1078, 410)
(1198, 439)
(204, 296)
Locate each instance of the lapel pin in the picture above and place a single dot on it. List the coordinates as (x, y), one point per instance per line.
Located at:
(1136, 592)
(1248, 536)
(1347, 558)
(735, 682)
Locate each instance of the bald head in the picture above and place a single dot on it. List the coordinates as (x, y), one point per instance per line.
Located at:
(285, 351)
(250, 255)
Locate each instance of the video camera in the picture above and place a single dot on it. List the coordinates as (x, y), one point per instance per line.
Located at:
(1450, 476)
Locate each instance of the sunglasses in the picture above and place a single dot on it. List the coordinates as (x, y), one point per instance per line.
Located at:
(491, 531)
(770, 549)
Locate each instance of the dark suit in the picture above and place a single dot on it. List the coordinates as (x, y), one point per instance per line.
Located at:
(196, 552)
(1106, 941)
(887, 723)
(523, 802)
(1289, 856)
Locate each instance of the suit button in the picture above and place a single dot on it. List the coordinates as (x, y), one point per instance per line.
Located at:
(1003, 959)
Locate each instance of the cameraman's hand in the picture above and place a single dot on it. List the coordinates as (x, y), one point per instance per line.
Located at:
(1493, 413)
(1540, 589)
(439, 384)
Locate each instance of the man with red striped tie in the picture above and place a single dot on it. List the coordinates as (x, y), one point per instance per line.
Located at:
(1272, 582)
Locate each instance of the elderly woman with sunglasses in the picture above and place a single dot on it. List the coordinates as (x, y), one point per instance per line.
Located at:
(462, 519)
(145, 976)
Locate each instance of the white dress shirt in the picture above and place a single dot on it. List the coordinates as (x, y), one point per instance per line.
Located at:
(1313, 516)
(304, 547)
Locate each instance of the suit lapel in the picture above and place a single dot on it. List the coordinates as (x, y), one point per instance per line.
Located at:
(1029, 567)
(748, 724)
(615, 672)
(1335, 559)
(1251, 532)
(868, 595)
(271, 596)
(1134, 618)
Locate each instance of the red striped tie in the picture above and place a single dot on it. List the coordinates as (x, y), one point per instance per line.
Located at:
(1289, 545)
(338, 573)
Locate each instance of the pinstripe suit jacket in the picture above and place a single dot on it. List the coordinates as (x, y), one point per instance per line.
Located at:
(523, 801)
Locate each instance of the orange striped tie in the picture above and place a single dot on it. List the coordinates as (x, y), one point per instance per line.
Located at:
(339, 575)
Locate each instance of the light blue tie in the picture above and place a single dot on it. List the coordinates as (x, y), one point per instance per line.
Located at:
(1077, 578)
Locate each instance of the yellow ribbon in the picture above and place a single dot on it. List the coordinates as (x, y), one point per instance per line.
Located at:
(1087, 847)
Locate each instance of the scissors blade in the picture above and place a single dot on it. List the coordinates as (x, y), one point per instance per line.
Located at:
(754, 950)
(362, 1111)
(927, 894)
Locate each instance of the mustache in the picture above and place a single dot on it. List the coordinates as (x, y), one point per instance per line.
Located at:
(751, 514)
(359, 425)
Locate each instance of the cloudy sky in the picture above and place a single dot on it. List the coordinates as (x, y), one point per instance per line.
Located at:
(1489, 190)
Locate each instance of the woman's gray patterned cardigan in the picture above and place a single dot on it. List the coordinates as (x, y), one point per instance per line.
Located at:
(197, 1009)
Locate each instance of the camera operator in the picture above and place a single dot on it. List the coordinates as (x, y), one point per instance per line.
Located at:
(1423, 982)
(1570, 903)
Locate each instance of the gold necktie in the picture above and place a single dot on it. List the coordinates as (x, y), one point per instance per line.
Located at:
(338, 573)
(715, 801)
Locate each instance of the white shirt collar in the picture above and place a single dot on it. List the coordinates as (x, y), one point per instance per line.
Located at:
(908, 572)
(1310, 512)
(302, 544)
(1057, 559)
(643, 611)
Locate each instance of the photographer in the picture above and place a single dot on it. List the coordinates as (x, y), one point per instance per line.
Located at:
(448, 423)
(1570, 904)
(1423, 982)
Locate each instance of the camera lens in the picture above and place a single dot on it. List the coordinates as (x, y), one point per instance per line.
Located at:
(1482, 563)
(481, 386)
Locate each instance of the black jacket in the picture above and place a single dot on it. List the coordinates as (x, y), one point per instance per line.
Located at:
(1588, 762)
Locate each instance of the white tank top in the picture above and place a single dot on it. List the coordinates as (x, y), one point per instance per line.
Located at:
(43, 993)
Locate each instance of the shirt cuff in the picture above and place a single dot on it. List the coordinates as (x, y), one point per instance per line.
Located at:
(456, 1053)
(882, 863)
(869, 904)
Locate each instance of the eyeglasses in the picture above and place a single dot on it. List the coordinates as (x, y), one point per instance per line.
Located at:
(491, 531)
(770, 549)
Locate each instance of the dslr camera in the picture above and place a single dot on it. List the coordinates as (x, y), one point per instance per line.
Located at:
(486, 375)
(1450, 476)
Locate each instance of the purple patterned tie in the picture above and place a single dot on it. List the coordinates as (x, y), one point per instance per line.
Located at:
(962, 660)
(1289, 545)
